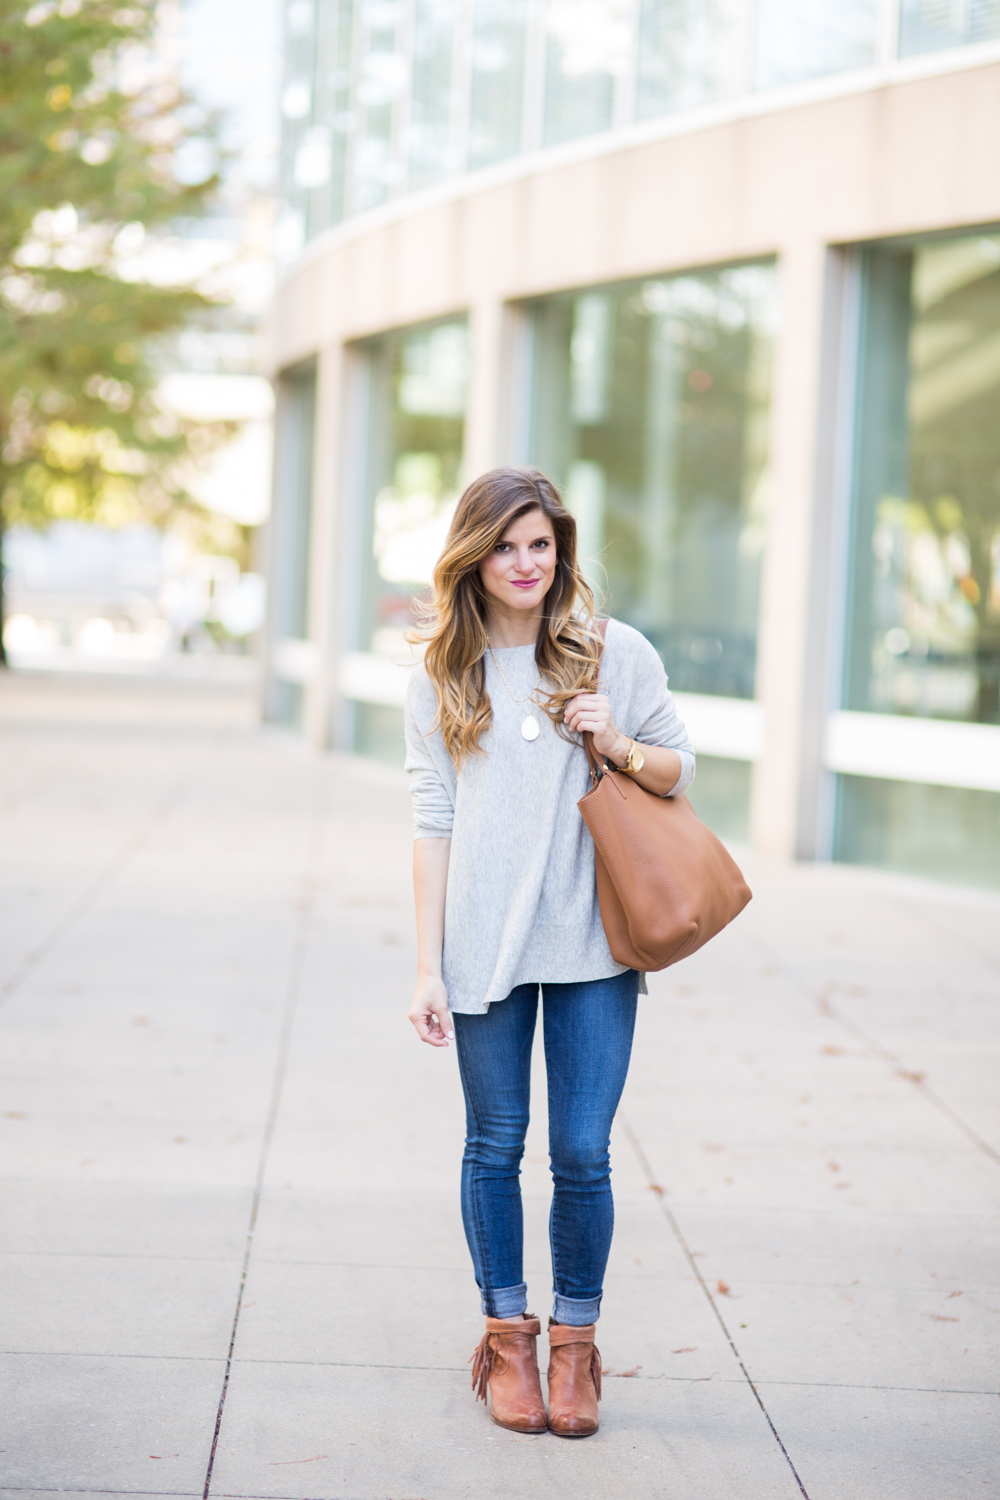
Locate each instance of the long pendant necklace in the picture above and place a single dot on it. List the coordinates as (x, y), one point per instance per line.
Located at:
(531, 728)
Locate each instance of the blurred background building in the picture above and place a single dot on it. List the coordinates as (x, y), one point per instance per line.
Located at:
(729, 272)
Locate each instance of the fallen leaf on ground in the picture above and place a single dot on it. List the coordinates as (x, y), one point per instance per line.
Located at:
(940, 1318)
(722, 1287)
(690, 1349)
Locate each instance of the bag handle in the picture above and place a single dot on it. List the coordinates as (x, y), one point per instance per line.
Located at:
(596, 770)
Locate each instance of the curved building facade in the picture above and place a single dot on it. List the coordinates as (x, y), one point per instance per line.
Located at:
(730, 274)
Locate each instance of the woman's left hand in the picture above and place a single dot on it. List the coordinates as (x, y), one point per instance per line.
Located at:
(591, 712)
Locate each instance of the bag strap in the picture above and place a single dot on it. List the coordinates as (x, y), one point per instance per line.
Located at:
(596, 770)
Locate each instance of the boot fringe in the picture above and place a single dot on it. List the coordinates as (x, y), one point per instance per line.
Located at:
(483, 1357)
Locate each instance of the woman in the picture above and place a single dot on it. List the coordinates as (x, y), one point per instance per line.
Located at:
(506, 903)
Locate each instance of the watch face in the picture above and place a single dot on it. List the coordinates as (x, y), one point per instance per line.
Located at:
(637, 758)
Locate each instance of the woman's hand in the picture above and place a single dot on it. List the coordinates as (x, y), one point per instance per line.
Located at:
(429, 1012)
(591, 713)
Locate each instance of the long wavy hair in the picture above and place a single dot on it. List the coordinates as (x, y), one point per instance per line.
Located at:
(453, 625)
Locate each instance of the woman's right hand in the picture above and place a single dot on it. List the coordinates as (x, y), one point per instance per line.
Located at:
(429, 1012)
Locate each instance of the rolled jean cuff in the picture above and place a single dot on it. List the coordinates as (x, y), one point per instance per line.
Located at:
(578, 1313)
(504, 1301)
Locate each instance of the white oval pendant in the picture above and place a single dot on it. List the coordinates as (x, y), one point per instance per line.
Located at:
(530, 728)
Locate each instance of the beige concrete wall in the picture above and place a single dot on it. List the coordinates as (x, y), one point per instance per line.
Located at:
(910, 157)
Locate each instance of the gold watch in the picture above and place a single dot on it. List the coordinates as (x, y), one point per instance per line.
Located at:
(635, 760)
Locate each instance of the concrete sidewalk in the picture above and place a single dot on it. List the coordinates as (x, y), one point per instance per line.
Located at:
(232, 1251)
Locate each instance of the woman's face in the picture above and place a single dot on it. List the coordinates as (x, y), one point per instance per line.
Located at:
(518, 573)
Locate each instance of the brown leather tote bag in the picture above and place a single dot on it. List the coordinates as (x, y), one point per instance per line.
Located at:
(665, 883)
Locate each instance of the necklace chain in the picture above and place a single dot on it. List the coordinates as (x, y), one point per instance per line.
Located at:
(530, 697)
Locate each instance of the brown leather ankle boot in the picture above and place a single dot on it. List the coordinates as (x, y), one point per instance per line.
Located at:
(506, 1362)
(574, 1380)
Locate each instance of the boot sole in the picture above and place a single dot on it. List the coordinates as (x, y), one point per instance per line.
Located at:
(592, 1433)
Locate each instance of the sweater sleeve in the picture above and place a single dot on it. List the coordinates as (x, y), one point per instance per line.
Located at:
(432, 789)
(653, 718)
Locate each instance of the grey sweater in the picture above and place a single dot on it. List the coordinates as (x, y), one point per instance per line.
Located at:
(521, 904)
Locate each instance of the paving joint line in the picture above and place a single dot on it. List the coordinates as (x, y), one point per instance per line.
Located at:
(347, 1364)
(194, 1359)
(825, 1385)
(643, 1161)
(200, 1260)
(827, 1008)
(66, 1489)
(310, 887)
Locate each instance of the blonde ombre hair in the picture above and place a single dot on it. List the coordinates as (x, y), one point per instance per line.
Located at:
(568, 646)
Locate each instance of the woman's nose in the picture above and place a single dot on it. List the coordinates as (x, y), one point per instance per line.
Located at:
(525, 561)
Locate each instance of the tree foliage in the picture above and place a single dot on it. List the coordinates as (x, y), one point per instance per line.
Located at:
(98, 145)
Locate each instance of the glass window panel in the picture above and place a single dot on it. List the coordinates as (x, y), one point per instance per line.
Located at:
(587, 48)
(419, 380)
(687, 53)
(429, 131)
(931, 25)
(650, 410)
(322, 158)
(720, 795)
(924, 634)
(418, 386)
(496, 106)
(800, 39)
(951, 833)
(383, 72)
(378, 733)
(298, 114)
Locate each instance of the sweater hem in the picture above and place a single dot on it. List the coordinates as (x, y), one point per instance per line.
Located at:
(480, 1007)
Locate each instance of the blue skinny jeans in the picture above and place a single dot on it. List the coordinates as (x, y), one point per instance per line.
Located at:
(588, 1031)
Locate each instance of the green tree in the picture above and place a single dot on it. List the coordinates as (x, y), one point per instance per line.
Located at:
(98, 145)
